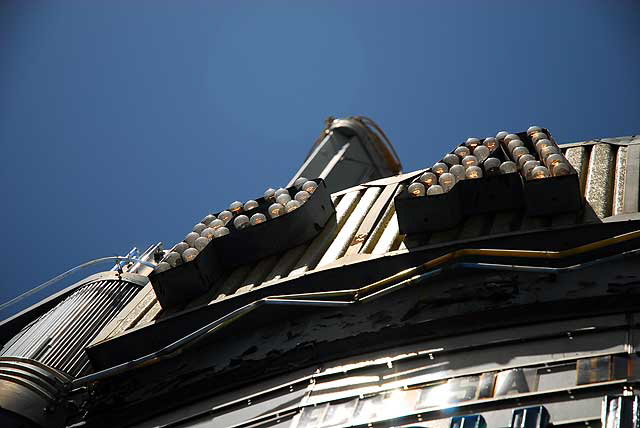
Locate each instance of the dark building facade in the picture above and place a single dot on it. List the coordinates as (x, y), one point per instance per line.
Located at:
(505, 300)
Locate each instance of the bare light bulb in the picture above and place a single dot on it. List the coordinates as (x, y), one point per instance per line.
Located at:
(200, 243)
(241, 222)
(225, 216)
(416, 190)
(221, 232)
(481, 152)
(299, 182)
(472, 143)
(473, 172)
(451, 159)
(269, 195)
(250, 205)
(208, 219)
(457, 171)
(436, 189)
(173, 257)
(292, 206)
(462, 151)
(162, 266)
(519, 151)
(180, 247)
(501, 135)
(189, 254)
(511, 146)
(560, 169)
(524, 159)
(281, 191)
(553, 160)
(469, 161)
(548, 151)
(217, 224)
(236, 207)
(191, 238)
(539, 136)
(539, 172)
(447, 181)
(428, 178)
(510, 137)
(257, 218)
(440, 168)
(208, 233)
(541, 144)
(492, 166)
(276, 210)
(528, 167)
(533, 129)
(283, 199)
(198, 228)
(309, 186)
(302, 196)
(491, 143)
(508, 167)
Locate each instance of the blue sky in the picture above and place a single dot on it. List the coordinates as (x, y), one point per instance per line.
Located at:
(122, 123)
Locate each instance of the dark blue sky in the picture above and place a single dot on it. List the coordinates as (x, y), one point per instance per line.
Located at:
(123, 123)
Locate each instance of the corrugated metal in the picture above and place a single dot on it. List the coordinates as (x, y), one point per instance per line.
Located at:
(366, 219)
(58, 338)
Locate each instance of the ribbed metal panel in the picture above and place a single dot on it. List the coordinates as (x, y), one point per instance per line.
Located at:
(58, 338)
(604, 167)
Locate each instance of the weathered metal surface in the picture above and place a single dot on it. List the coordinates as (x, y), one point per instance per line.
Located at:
(599, 185)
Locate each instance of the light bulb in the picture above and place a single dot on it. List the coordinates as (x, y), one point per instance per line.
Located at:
(236, 207)
(457, 171)
(519, 151)
(481, 152)
(472, 143)
(200, 243)
(528, 167)
(533, 129)
(257, 218)
(548, 151)
(283, 199)
(510, 137)
(208, 219)
(554, 159)
(208, 233)
(269, 195)
(222, 231)
(416, 189)
(162, 266)
(191, 238)
(469, 161)
(180, 247)
(250, 205)
(539, 172)
(189, 254)
(451, 159)
(302, 196)
(560, 169)
(198, 228)
(225, 216)
(172, 258)
(436, 189)
(500, 136)
(292, 206)
(309, 186)
(299, 182)
(428, 178)
(539, 136)
(492, 166)
(440, 168)
(217, 224)
(447, 180)
(508, 167)
(513, 144)
(541, 144)
(462, 151)
(491, 143)
(281, 191)
(276, 210)
(241, 222)
(473, 172)
(524, 159)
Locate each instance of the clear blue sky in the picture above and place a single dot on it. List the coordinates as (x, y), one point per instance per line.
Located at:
(122, 123)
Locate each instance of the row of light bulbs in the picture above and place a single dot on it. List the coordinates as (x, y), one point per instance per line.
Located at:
(212, 226)
(473, 160)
